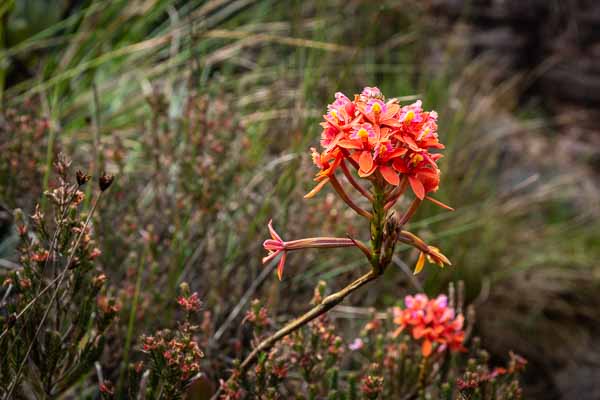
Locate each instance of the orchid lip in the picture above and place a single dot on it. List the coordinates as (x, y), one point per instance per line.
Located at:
(273, 245)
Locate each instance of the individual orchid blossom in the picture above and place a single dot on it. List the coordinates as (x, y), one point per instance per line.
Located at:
(363, 132)
(376, 107)
(432, 321)
(370, 93)
(276, 245)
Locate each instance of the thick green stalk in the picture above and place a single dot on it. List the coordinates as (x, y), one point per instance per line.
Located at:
(377, 227)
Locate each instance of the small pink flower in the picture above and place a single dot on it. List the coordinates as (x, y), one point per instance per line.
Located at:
(95, 253)
(191, 303)
(357, 344)
(275, 246)
(412, 113)
(370, 93)
(432, 322)
(340, 107)
(376, 106)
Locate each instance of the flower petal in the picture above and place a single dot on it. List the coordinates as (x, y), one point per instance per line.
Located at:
(281, 265)
(417, 187)
(316, 189)
(420, 263)
(350, 144)
(365, 161)
(389, 175)
(364, 174)
(426, 348)
(269, 257)
(274, 234)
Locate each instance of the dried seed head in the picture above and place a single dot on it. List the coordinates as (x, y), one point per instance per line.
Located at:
(82, 177)
(62, 164)
(105, 181)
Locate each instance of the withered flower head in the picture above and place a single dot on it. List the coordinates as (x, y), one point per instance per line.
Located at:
(82, 177)
(105, 181)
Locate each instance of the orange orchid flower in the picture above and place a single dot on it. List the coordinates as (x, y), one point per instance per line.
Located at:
(432, 321)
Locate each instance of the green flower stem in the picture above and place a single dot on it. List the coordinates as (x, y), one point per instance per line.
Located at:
(377, 227)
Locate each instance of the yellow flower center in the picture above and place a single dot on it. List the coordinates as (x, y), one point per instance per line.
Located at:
(409, 116)
(363, 133)
(376, 108)
(424, 133)
(417, 158)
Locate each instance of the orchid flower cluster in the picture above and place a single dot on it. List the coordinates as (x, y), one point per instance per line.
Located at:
(388, 145)
(432, 321)
(378, 136)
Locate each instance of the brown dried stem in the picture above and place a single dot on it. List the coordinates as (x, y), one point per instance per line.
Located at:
(354, 183)
(342, 193)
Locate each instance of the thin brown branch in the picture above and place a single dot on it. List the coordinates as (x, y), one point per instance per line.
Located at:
(396, 193)
(354, 183)
(410, 212)
(327, 304)
(342, 193)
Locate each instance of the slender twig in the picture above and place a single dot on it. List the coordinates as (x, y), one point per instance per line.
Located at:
(342, 193)
(354, 183)
(7, 264)
(411, 210)
(6, 294)
(61, 277)
(96, 130)
(396, 193)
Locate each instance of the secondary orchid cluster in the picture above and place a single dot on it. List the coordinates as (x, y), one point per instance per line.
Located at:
(432, 321)
(391, 147)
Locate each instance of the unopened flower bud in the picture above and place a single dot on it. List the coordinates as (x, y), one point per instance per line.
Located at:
(98, 281)
(185, 288)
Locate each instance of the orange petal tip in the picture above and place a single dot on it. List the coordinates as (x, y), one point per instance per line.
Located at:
(420, 263)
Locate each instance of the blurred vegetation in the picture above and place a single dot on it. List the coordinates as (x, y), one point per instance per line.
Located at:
(205, 111)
